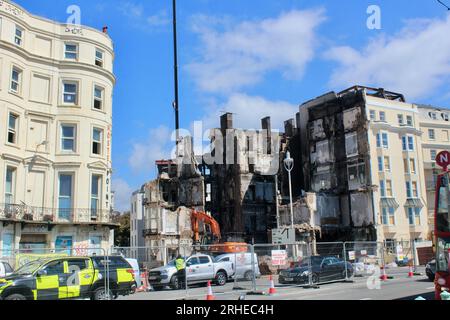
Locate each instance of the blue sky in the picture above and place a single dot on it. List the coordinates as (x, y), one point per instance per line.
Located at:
(255, 59)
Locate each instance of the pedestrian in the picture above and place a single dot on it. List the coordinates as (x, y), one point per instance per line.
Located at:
(181, 271)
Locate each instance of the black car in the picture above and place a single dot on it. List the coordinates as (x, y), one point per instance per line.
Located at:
(431, 269)
(323, 269)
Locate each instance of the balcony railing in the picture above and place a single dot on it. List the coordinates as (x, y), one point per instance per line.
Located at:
(55, 215)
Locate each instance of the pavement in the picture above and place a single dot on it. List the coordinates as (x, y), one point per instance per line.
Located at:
(398, 287)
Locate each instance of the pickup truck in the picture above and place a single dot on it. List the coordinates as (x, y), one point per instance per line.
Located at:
(200, 268)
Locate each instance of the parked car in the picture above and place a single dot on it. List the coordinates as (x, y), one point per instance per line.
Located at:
(242, 263)
(5, 269)
(323, 269)
(431, 269)
(54, 279)
(200, 268)
(137, 274)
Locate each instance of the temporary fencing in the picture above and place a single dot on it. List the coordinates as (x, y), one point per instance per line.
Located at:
(240, 268)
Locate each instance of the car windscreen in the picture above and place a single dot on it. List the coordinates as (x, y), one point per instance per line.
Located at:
(8, 268)
(314, 261)
(29, 268)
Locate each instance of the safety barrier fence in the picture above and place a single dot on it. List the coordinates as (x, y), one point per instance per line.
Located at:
(239, 268)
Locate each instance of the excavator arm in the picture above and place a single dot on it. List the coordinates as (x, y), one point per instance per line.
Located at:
(207, 232)
(203, 225)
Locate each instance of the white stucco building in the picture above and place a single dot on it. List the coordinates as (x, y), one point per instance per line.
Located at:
(56, 85)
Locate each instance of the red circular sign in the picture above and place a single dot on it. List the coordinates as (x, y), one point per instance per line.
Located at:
(443, 159)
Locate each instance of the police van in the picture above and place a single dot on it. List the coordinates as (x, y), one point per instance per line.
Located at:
(69, 278)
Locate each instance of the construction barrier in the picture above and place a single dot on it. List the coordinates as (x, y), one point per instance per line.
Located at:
(263, 268)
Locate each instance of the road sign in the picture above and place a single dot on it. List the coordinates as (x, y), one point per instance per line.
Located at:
(283, 236)
(400, 255)
(279, 257)
(351, 255)
(443, 159)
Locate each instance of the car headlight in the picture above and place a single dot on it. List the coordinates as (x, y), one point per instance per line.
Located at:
(305, 273)
(164, 272)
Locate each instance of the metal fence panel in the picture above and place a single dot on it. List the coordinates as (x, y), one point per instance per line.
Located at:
(330, 264)
(282, 266)
(366, 258)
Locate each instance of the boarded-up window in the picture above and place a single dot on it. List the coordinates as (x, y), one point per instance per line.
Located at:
(37, 136)
(40, 88)
(43, 46)
(351, 144)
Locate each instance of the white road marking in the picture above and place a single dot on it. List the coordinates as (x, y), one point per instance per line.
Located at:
(366, 299)
(430, 288)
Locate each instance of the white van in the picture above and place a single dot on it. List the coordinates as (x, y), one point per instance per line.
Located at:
(242, 264)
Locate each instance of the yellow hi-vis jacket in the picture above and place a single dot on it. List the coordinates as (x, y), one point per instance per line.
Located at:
(179, 264)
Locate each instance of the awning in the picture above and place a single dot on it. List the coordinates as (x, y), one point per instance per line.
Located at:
(414, 203)
(389, 203)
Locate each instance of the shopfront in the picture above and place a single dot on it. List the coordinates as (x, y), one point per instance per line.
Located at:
(34, 239)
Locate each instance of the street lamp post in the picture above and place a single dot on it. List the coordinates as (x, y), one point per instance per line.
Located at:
(289, 165)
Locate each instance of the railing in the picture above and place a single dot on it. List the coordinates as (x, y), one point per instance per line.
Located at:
(38, 214)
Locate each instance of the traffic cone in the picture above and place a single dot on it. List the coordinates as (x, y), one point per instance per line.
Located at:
(384, 276)
(272, 290)
(210, 295)
(411, 272)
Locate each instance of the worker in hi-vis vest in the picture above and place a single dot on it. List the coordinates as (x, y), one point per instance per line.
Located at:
(181, 271)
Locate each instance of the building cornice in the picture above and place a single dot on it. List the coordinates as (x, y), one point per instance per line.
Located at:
(39, 114)
(60, 64)
(388, 127)
(445, 125)
(67, 164)
(97, 165)
(18, 17)
(436, 145)
(11, 157)
(38, 160)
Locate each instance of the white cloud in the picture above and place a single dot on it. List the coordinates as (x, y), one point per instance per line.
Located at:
(415, 61)
(141, 20)
(157, 146)
(131, 9)
(159, 19)
(122, 194)
(248, 112)
(237, 55)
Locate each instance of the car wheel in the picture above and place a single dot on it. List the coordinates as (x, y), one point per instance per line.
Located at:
(16, 296)
(347, 274)
(315, 278)
(248, 276)
(103, 294)
(221, 278)
(174, 283)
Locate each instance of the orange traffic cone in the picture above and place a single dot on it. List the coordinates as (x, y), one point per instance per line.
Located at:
(384, 276)
(210, 295)
(410, 273)
(272, 286)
